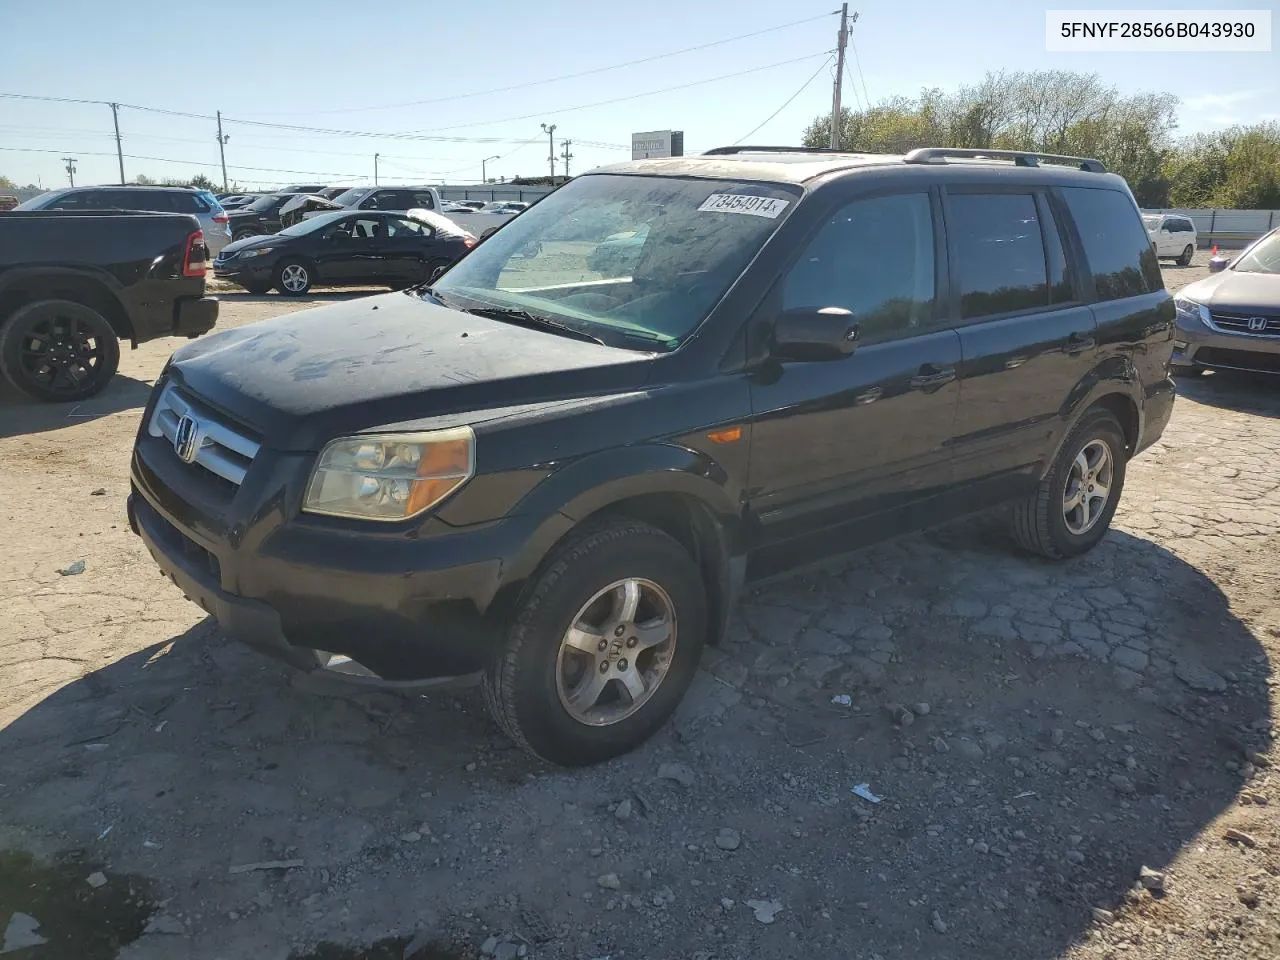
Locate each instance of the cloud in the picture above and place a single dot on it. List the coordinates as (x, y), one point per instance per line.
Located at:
(1221, 101)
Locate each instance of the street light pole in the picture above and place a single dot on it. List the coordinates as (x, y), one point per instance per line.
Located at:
(484, 176)
(551, 142)
(375, 168)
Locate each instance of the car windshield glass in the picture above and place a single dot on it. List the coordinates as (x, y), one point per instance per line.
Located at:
(350, 197)
(312, 224)
(263, 204)
(623, 256)
(1264, 258)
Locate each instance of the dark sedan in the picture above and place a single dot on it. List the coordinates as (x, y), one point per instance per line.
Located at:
(342, 249)
(1231, 320)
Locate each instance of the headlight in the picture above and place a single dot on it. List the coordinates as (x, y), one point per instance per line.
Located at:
(390, 476)
(1190, 312)
(256, 252)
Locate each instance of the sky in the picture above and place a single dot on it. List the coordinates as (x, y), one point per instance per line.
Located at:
(435, 88)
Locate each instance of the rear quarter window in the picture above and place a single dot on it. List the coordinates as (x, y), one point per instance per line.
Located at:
(189, 203)
(1115, 243)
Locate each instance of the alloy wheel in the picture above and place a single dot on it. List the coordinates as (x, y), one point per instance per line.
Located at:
(1088, 487)
(61, 354)
(294, 277)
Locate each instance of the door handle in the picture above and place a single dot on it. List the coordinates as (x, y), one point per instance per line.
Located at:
(868, 396)
(932, 376)
(1079, 343)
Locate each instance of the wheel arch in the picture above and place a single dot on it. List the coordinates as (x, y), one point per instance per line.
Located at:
(22, 287)
(1117, 396)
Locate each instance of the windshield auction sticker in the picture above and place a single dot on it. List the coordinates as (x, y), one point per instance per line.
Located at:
(769, 207)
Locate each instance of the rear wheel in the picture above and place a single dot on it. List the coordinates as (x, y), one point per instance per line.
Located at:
(603, 647)
(1072, 507)
(293, 278)
(58, 350)
(1187, 253)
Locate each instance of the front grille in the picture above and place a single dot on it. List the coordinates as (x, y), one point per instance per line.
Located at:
(1260, 325)
(1238, 359)
(206, 441)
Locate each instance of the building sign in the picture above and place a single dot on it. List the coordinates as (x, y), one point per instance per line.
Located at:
(657, 143)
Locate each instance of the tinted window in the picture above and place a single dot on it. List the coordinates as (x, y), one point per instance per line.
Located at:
(1117, 248)
(400, 227)
(999, 253)
(875, 259)
(72, 201)
(387, 200)
(421, 199)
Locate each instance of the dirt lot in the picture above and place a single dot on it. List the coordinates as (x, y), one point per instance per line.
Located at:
(1039, 733)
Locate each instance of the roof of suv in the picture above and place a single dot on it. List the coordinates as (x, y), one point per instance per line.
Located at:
(799, 165)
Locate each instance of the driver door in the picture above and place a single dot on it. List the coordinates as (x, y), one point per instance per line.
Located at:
(347, 252)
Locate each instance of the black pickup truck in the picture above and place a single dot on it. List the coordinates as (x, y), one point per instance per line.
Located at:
(73, 284)
(560, 480)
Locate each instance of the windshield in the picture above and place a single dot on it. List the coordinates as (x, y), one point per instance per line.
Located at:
(349, 198)
(263, 204)
(617, 255)
(1263, 258)
(312, 224)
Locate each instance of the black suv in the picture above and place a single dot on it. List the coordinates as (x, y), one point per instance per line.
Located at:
(560, 480)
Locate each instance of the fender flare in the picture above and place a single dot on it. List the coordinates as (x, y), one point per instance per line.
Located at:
(1115, 376)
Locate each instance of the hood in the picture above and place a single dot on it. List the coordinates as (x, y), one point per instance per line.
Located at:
(266, 240)
(304, 378)
(1237, 292)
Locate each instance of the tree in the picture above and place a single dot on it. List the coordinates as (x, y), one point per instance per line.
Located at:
(201, 182)
(7, 184)
(143, 180)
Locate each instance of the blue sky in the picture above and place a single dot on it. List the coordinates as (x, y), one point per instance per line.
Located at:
(339, 65)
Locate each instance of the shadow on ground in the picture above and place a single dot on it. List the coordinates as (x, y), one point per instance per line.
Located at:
(20, 414)
(1247, 392)
(1030, 790)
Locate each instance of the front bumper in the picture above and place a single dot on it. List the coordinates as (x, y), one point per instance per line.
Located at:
(1208, 349)
(193, 317)
(243, 271)
(406, 608)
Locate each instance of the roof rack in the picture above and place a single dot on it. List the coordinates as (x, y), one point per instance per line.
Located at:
(1020, 158)
(729, 151)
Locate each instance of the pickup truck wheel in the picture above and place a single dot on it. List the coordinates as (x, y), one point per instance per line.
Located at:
(1072, 507)
(603, 647)
(293, 278)
(58, 350)
(1187, 254)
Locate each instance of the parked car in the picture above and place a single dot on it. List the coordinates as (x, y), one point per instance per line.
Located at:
(235, 201)
(411, 198)
(202, 204)
(260, 217)
(505, 206)
(303, 188)
(72, 284)
(1231, 320)
(561, 482)
(1172, 236)
(342, 249)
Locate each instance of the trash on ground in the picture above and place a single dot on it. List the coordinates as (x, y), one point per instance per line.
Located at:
(267, 865)
(842, 700)
(72, 569)
(863, 790)
(100, 492)
(21, 933)
(96, 879)
(103, 835)
(766, 911)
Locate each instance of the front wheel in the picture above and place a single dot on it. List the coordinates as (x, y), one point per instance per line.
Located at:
(58, 350)
(603, 646)
(1187, 254)
(293, 278)
(1071, 509)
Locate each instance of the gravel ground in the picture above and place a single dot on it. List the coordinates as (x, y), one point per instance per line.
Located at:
(1037, 735)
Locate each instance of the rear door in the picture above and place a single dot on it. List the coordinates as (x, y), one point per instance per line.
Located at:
(839, 440)
(408, 247)
(354, 251)
(1027, 335)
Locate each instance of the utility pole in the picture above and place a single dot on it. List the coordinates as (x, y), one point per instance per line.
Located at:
(566, 156)
(375, 168)
(551, 140)
(71, 168)
(222, 154)
(484, 176)
(835, 93)
(115, 119)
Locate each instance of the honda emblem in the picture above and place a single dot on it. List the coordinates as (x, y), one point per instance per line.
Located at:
(1257, 324)
(187, 439)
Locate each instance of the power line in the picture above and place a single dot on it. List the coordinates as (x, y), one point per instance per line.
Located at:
(582, 73)
(787, 103)
(858, 61)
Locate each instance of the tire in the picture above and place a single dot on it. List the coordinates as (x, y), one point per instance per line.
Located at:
(525, 684)
(1187, 254)
(293, 277)
(1040, 522)
(258, 289)
(58, 350)
(1188, 371)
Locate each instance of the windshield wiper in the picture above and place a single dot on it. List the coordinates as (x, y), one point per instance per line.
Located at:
(524, 318)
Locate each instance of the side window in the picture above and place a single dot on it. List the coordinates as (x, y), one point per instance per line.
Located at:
(403, 227)
(999, 253)
(1187, 226)
(71, 201)
(370, 228)
(875, 259)
(1117, 248)
(421, 200)
(386, 200)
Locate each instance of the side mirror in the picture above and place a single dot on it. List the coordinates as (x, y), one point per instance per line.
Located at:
(1218, 264)
(812, 333)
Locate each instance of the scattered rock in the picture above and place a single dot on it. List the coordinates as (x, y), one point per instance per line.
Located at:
(21, 933)
(727, 903)
(981, 847)
(900, 714)
(413, 836)
(921, 709)
(96, 879)
(100, 492)
(489, 946)
(941, 746)
(1122, 783)
(1239, 836)
(166, 925)
(470, 767)
(938, 923)
(1075, 856)
(1129, 658)
(678, 772)
(75, 568)
(1199, 677)
(1151, 879)
(609, 881)
(1056, 736)
(624, 810)
(1103, 916)
(728, 839)
(507, 950)
(766, 911)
